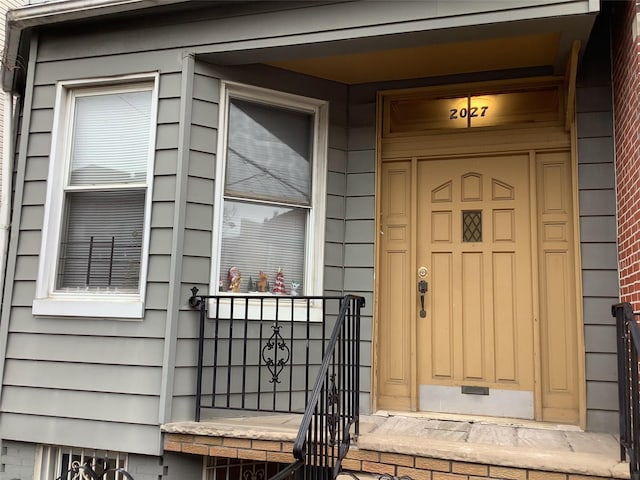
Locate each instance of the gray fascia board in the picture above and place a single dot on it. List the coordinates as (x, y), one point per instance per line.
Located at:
(21, 19)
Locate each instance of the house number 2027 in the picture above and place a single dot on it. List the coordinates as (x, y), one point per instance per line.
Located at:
(471, 112)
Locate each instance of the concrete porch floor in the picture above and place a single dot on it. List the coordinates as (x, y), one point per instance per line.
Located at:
(489, 441)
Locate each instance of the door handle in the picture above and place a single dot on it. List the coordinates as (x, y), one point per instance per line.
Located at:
(423, 286)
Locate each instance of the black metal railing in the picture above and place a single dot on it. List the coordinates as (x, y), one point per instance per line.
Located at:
(86, 471)
(289, 355)
(332, 415)
(628, 336)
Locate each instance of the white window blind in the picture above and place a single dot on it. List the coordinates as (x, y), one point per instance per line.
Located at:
(104, 200)
(267, 194)
(110, 138)
(269, 151)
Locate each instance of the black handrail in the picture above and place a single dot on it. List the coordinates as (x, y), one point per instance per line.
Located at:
(628, 340)
(324, 436)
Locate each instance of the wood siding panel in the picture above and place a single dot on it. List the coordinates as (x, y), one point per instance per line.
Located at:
(65, 348)
(26, 268)
(80, 328)
(167, 136)
(166, 162)
(34, 193)
(121, 379)
(168, 61)
(100, 406)
(337, 160)
(144, 439)
(204, 139)
(37, 168)
(170, 85)
(44, 96)
(195, 270)
(202, 165)
(160, 241)
(157, 295)
(164, 188)
(41, 120)
(204, 114)
(197, 243)
(335, 206)
(29, 243)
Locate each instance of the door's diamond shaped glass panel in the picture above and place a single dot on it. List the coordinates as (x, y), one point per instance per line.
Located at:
(472, 226)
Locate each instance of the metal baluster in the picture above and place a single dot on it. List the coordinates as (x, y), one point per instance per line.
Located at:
(113, 244)
(88, 280)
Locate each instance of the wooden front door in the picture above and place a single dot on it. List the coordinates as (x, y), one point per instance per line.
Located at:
(492, 236)
(475, 340)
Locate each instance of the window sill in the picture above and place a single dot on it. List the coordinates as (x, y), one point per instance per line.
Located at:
(131, 308)
(266, 307)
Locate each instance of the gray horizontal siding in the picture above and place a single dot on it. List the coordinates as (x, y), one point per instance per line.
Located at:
(72, 376)
(120, 379)
(98, 406)
(167, 61)
(596, 182)
(68, 348)
(72, 431)
(359, 232)
(78, 327)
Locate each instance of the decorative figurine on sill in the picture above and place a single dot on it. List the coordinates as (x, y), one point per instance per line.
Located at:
(294, 288)
(262, 285)
(250, 286)
(279, 288)
(234, 276)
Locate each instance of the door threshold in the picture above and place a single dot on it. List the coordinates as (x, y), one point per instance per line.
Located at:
(459, 417)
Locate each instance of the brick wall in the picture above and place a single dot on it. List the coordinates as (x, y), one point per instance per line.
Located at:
(626, 68)
(17, 461)
(370, 462)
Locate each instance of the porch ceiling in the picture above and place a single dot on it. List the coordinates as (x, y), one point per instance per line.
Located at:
(512, 45)
(505, 53)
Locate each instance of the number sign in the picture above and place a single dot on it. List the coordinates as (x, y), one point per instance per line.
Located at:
(471, 111)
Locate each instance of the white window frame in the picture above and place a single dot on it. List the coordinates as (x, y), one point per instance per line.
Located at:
(315, 232)
(51, 302)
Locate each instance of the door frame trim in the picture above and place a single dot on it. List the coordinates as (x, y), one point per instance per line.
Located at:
(529, 140)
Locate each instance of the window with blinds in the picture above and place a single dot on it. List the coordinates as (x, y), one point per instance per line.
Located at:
(104, 199)
(274, 175)
(95, 235)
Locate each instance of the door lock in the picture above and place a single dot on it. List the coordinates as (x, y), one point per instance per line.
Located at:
(423, 286)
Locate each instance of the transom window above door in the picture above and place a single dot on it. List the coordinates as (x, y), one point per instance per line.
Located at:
(269, 220)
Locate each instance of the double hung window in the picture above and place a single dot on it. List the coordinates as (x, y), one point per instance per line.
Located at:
(270, 202)
(97, 211)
